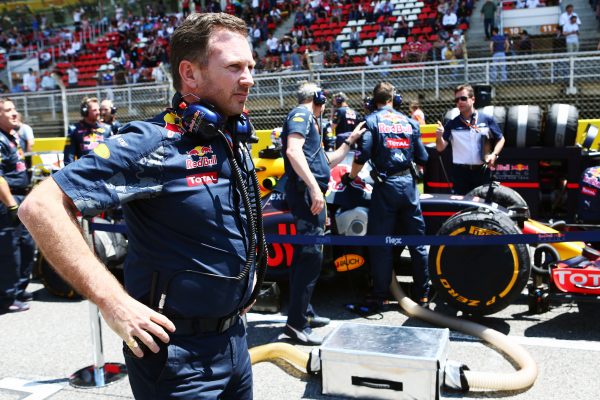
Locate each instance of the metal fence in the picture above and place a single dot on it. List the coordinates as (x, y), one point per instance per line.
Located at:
(539, 79)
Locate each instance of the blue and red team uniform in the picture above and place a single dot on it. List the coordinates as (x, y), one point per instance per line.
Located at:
(392, 142)
(16, 245)
(83, 138)
(184, 215)
(346, 120)
(307, 260)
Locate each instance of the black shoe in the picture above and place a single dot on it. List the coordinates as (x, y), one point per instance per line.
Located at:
(16, 306)
(25, 296)
(314, 321)
(305, 336)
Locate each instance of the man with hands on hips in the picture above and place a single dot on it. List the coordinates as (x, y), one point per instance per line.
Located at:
(307, 167)
(189, 230)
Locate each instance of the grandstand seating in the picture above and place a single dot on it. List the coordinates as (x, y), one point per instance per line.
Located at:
(419, 17)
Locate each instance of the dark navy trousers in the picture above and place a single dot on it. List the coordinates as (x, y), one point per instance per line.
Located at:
(207, 367)
(307, 260)
(395, 210)
(16, 258)
(465, 179)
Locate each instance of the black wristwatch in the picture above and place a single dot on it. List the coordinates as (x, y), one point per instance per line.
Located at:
(348, 143)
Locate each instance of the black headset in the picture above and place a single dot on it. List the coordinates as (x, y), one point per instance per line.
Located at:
(113, 110)
(202, 120)
(84, 108)
(396, 101)
(319, 98)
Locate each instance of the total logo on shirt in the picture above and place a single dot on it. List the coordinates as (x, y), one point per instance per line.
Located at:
(397, 143)
(205, 178)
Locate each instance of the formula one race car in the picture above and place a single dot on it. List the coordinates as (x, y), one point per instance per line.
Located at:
(481, 279)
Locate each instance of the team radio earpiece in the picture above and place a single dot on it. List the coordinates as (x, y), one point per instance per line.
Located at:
(203, 121)
(113, 110)
(319, 98)
(396, 101)
(84, 108)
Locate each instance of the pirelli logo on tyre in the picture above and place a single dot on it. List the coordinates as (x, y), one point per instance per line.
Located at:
(478, 231)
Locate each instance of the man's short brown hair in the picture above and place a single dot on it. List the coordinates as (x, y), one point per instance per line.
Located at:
(190, 39)
(468, 88)
(383, 92)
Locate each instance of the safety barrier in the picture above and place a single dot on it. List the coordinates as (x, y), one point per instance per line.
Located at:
(409, 240)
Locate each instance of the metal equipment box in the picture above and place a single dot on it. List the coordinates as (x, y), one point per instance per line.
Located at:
(371, 361)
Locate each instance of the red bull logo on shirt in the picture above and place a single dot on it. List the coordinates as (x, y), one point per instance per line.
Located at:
(197, 157)
(394, 128)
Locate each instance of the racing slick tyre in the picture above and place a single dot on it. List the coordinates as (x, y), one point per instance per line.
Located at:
(499, 114)
(479, 280)
(502, 195)
(52, 281)
(523, 126)
(561, 125)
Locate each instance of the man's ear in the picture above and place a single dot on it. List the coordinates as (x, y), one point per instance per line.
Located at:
(189, 74)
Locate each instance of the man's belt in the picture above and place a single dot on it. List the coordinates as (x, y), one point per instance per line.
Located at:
(19, 191)
(471, 167)
(400, 173)
(194, 326)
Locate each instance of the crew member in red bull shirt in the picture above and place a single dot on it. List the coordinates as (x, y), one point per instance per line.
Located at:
(307, 169)
(344, 119)
(187, 224)
(88, 133)
(392, 142)
(16, 245)
(470, 133)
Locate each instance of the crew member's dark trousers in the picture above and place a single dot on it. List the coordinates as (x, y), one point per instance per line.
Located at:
(306, 264)
(210, 366)
(16, 258)
(465, 179)
(395, 209)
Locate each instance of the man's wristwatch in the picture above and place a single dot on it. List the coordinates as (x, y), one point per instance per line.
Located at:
(348, 143)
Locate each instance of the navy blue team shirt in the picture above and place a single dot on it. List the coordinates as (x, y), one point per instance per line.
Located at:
(345, 119)
(390, 141)
(182, 211)
(301, 121)
(83, 138)
(12, 162)
(465, 136)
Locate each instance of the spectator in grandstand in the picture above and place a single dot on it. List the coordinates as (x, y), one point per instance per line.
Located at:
(108, 115)
(343, 120)
(570, 31)
(4, 88)
(72, 76)
(25, 133)
(416, 113)
(16, 245)
(85, 135)
(336, 13)
(354, 37)
(463, 13)
(296, 59)
(371, 59)
(354, 14)
(402, 29)
(272, 45)
(449, 20)
(308, 170)
(285, 48)
(519, 4)
(48, 83)
(488, 10)
(391, 143)
(385, 57)
(565, 17)
(499, 46)
(30, 81)
(532, 3)
(469, 134)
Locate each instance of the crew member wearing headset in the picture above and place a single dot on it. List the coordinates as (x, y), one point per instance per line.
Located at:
(344, 119)
(307, 167)
(108, 115)
(181, 180)
(470, 133)
(85, 135)
(16, 245)
(392, 142)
